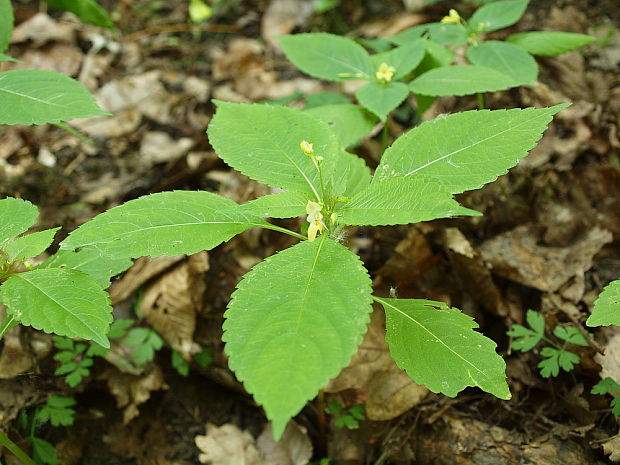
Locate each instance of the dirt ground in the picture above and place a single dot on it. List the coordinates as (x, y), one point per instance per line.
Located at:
(549, 240)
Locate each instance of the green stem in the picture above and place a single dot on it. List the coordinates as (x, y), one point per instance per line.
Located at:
(480, 98)
(8, 322)
(385, 136)
(15, 449)
(75, 132)
(283, 230)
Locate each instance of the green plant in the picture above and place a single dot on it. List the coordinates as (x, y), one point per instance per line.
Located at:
(556, 355)
(346, 417)
(426, 52)
(605, 311)
(297, 318)
(609, 386)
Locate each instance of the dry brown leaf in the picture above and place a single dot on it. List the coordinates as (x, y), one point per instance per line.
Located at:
(40, 28)
(170, 304)
(159, 147)
(517, 255)
(389, 391)
(143, 440)
(143, 270)
(228, 445)
(612, 448)
(14, 359)
(131, 391)
(63, 58)
(282, 16)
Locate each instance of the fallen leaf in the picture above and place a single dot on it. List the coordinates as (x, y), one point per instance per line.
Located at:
(282, 16)
(40, 28)
(293, 448)
(227, 445)
(159, 147)
(14, 359)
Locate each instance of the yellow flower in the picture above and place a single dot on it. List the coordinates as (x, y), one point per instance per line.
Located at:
(306, 147)
(199, 11)
(315, 218)
(452, 18)
(385, 73)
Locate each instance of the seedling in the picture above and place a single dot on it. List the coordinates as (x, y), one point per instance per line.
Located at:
(556, 355)
(346, 417)
(609, 386)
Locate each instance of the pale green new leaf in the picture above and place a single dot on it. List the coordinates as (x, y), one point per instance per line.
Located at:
(30, 245)
(438, 347)
(382, 98)
(328, 56)
(6, 24)
(401, 200)
(466, 150)
(294, 322)
(167, 223)
(349, 122)
(64, 302)
(607, 307)
(350, 176)
(461, 80)
(436, 56)
(440, 33)
(87, 10)
(16, 216)
(549, 43)
(90, 261)
(497, 15)
(505, 58)
(4, 57)
(262, 142)
(403, 58)
(32, 96)
(288, 204)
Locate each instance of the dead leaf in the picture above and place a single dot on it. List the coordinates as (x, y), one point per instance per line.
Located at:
(170, 304)
(293, 448)
(389, 391)
(143, 270)
(227, 445)
(159, 147)
(612, 448)
(282, 16)
(14, 359)
(40, 28)
(516, 255)
(130, 391)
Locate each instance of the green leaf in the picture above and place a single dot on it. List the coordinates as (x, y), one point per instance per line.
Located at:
(570, 335)
(466, 150)
(43, 452)
(31, 96)
(605, 386)
(403, 58)
(294, 322)
(536, 321)
(16, 216)
(549, 43)
(526, 339)
(556, 359)
(145, 342)
(461, 80)
(328, 56)
(505, 58)
(262, 142)
(324, 98)
(87, 10)
(439, 33)
(179, 363)
(65, 302)
(382, 98)
(438, 347)
(57, 410)
(401, 200)
(349, 122)
(203, 358)
(119, 328)
(288, 204)
(615, 406)
(497, 15)
(6, 24)
(167, 223)
(351, 175)
(30, 245)
(606, 309)
(436, 56)
(4, 57)
(90, 261)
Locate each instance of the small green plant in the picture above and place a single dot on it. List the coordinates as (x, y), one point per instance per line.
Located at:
(424, 55)
(346, 417)
(555, 355)
(609, 386)
(182, 366)
(606, 307)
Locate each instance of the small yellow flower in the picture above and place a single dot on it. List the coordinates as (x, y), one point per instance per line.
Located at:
(315, 218)
(452, 18)
(385, 73)
(306, 147)
(199, 11)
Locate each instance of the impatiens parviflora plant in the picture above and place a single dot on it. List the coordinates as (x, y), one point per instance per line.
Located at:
(493, 64)
(555, 355)
(297, 318)
(32, 96)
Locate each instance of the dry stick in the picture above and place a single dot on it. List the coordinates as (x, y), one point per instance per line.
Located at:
(179, 28)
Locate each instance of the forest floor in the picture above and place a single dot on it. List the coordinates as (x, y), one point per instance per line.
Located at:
(549, 240)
